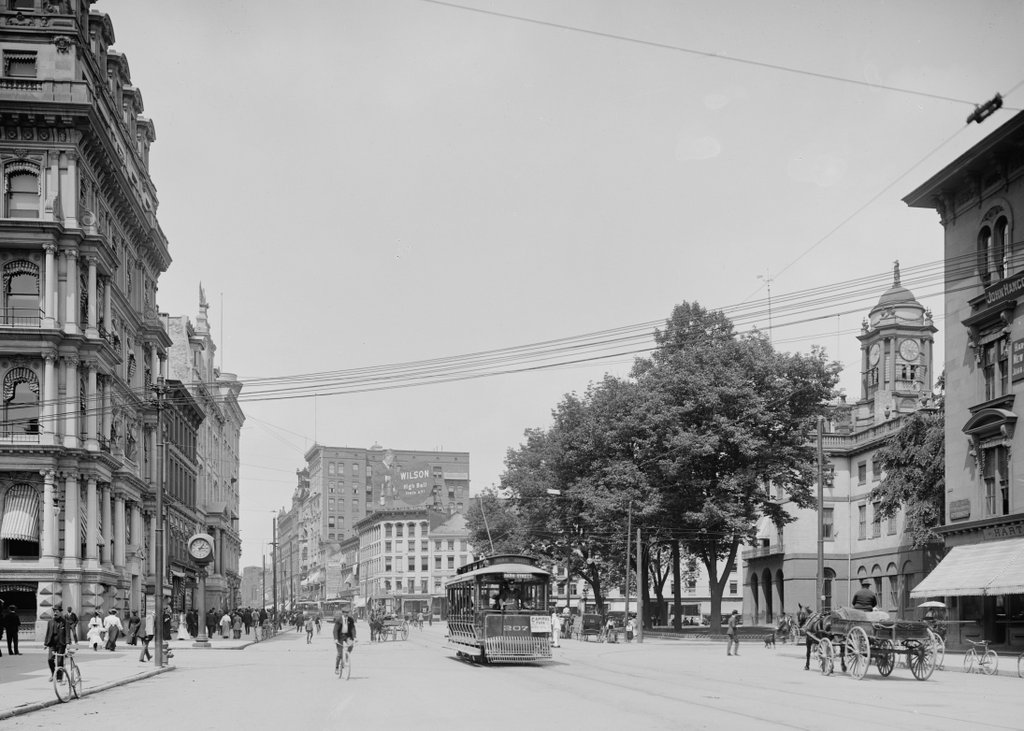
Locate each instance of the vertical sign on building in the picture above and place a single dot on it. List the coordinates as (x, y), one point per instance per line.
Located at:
(1017, 361)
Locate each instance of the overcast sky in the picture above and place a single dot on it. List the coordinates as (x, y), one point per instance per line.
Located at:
(362, 183)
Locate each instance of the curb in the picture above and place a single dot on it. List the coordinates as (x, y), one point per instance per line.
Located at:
(38, 706)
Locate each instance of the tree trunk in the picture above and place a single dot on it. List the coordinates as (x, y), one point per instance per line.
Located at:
(677, 597)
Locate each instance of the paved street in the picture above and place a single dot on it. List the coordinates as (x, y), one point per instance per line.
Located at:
(662, 684)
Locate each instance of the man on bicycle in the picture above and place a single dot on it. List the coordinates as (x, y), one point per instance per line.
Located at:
(344, 637)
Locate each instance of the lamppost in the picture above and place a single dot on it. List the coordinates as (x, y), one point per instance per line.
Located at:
(273, 567)
(158, 570)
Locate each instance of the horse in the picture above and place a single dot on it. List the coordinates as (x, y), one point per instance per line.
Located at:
(816, 626)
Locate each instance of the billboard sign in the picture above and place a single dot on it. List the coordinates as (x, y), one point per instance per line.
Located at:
(414, 483)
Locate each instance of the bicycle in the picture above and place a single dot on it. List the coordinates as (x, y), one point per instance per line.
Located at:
(67, 678)
(987, 661)
(343, 669)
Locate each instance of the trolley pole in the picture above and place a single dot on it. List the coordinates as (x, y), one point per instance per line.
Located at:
(820, 598)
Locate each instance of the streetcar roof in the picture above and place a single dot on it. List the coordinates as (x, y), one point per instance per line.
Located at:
(506, 570)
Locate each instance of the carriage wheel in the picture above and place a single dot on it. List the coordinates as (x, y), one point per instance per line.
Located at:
(826, 656)
(940, 648)
(885, 657)
(921, 658)
(858, 652)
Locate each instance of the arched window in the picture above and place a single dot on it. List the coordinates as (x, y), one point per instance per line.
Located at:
(21, 403)
(21, 191)
(21, 293)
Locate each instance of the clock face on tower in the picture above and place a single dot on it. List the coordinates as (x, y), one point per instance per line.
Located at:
(874, 354)
(910, 350)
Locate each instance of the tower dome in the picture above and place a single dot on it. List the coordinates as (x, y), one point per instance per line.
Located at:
(897, 303)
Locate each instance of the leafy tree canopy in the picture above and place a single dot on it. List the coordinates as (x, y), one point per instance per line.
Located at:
(914, 467)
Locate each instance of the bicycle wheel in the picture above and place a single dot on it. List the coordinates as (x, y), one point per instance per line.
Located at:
(405, 631)
(940, 648)
(62, 685)
(346, 670)
(989, 662)
(76, 680)
(969, 659)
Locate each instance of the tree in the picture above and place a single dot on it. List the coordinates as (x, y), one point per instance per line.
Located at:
(725, 418)
(913, 462)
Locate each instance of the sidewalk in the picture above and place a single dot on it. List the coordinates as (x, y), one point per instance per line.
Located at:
(25, 679)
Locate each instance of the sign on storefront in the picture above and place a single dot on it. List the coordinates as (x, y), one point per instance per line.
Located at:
(960, 509)
(1017, 361)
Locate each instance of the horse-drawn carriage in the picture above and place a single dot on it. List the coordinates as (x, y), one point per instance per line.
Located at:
(857, 638)
(392, 627)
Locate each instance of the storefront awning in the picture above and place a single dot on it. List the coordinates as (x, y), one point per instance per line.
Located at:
(981, 569)
(21, 515)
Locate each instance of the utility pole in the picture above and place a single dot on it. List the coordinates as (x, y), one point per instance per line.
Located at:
(629, 535)
(821, 517)
(273, 567)
(264, 599)
(158, 573)
(639, 591)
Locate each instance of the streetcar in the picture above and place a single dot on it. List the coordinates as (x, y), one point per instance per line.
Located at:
(498, 610)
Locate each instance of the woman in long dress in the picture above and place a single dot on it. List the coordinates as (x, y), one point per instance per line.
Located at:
(95, 634)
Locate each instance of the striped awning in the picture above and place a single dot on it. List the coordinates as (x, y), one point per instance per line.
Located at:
(83, 519)
(21, 515)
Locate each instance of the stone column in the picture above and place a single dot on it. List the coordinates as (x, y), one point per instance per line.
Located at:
(108, 318)
(71, 291)
(218, 539)
(70, 402)
(107, 520)
(72, 521)
(49, 426)
(92, 537)
(91, 331)
(138, 537)
(69, 191)
(154, 365)
(107, 410)
(92, 405)
(50, 286)
(49, 542)
(120, 536)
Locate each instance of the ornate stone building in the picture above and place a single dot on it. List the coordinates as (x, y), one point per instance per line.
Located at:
(191, 359)
(897, 377)
(81, 342)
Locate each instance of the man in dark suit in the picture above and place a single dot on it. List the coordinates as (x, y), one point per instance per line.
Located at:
(56, 638)
(12, 623)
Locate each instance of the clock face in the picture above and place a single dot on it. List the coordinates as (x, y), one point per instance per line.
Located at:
(910, 350)
(200, 548)
(874, 354)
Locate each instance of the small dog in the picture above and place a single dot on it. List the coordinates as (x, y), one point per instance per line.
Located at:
(769, 641)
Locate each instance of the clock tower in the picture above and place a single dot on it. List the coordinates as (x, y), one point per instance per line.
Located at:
(897, 356)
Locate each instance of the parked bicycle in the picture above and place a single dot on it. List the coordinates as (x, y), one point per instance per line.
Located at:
(985, 659)
(67, 678)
